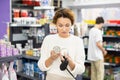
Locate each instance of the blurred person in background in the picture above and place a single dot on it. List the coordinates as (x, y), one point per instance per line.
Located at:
(96, 51)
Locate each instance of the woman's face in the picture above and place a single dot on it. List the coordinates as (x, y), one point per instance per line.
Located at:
(63, 27)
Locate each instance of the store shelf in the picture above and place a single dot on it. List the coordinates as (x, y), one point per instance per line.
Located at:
(10, 58)
(85, 78)
(21, 6)
(109, 36)
(25, 25)
(111, 25)
(110, 64)
(112, 49)
(105, 25)
(105, 63)
(43, 7)
(103, 4)
(27, 76)
(117, 51)
(104, 36)
(30, 57)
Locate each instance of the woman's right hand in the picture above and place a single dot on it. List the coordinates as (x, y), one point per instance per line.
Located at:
(54, 55)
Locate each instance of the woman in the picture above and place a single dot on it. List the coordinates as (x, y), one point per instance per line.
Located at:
(71, 47)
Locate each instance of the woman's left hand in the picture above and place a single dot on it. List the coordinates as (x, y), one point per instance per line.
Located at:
(69, 59)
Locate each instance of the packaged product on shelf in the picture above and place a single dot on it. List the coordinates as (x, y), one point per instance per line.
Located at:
(16, 13)
(85, 41)
(2, 50)
(30, 14)
(1, 74)
(19, 47)
(45, 2)
(9, 50)
(49, 14)
(76, 31)
(38, 53)
(25, 20)
(41, 34)
(81, 29)
(26, 68)
(117, 76)
(52, 29)
(15, 51)
(42, 75)
(30, 43)
(35, 52)
(36, 2)
(117, 59)
(12, 73)
(24, 13)
(37, 72)
(5, 72)
(29, 52)
(18, 65)
(31, 71)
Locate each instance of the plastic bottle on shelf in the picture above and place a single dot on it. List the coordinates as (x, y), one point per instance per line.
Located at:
(45, 2)
(12, 73)
(5, 72)
(31, 71)
(15, 51)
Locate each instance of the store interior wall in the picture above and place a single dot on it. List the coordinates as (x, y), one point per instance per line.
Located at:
(4, 16)
(85, 14)
(5, 13)
(66, 3)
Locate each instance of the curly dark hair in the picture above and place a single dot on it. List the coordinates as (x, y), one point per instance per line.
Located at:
(65, 13)
(99, 20)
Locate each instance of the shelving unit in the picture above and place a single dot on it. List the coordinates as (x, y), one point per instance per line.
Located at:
(106, 36)
(112, 51)
(25, 25)
(22, 6)
(24, 32)
(20, 30)
(27, 76)
(98, 4)
(44, 7)
(109, 38)
(18, 57)
(30, 57)
(106, 63)
(10, 58)
(76, 7)
(15, 27)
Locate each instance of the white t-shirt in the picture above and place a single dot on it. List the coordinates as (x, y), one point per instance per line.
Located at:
(94, 53)
(74, 46)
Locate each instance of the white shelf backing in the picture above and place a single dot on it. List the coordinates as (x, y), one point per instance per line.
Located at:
(43, 7)
(96, 5)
